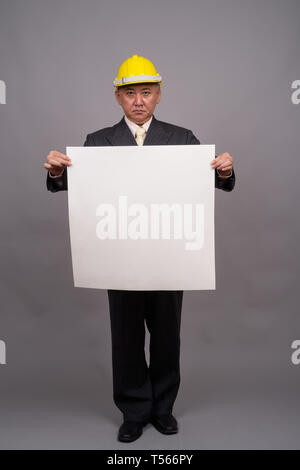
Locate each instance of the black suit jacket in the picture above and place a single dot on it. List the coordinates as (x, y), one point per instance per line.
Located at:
(159, 133)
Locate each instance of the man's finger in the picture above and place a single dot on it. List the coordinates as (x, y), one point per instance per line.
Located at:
(55, 163)
(225, 161)
(227, 168)
(64, 161)
(219, 165)
(58, 162)
(54, 153)
(59, 156)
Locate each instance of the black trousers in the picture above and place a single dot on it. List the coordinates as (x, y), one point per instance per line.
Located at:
(140, 390)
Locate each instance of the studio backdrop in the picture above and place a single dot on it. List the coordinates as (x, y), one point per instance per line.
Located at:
(231, 74)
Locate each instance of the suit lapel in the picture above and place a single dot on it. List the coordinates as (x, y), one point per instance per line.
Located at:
(121, 134)
(156, 134)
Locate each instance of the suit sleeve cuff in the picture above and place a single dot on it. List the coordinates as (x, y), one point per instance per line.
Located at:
(54, 177)
(227, 176)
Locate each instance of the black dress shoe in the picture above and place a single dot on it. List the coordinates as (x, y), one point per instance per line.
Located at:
(166, 424)
(130, 431)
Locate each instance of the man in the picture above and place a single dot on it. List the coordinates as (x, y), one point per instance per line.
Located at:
(143, 394)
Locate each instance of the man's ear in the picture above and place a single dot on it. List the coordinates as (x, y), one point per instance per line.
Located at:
(158, 96)
(117, 96)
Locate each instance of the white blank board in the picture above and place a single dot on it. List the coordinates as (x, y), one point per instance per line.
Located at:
(142, 217)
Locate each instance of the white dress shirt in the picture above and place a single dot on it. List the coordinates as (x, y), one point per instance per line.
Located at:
(133, 126)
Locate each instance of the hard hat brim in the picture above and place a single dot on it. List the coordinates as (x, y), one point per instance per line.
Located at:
(135, 83)
(138, 79)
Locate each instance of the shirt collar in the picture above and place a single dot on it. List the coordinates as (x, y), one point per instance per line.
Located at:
(133, 126)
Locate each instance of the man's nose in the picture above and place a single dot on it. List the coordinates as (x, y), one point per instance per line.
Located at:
(138, 100)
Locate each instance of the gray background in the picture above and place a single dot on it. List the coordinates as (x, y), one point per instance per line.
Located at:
(227, 69)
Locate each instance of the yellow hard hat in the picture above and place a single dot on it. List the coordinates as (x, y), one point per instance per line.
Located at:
(136, 69)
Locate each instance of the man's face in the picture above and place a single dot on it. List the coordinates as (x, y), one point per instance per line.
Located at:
(138, 101)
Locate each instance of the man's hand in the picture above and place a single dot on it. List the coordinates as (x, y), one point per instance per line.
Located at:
(56, 162)
(223, 163)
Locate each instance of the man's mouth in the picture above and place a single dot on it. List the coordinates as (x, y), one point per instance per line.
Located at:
(138, 111)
